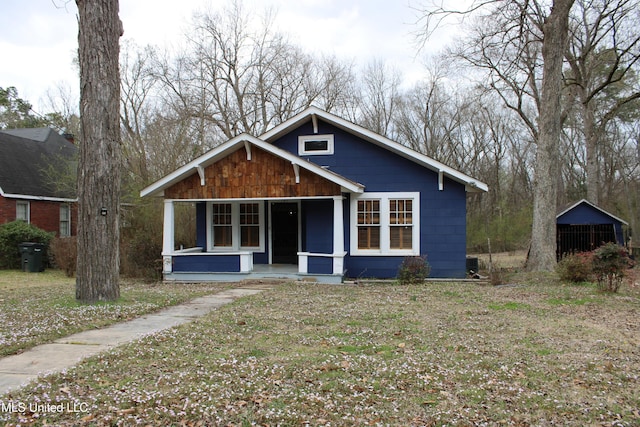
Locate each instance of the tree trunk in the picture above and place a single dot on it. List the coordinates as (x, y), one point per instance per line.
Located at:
(591, 148)
(542, 256)
(100, 153)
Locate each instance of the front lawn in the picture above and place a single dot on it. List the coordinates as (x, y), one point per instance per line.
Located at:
(36, 308)
(540, 353)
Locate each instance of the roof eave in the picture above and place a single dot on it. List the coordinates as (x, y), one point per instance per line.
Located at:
(157, 188)
(471, 184)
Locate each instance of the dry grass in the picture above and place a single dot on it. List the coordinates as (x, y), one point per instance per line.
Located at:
(36, 308)
(539, 353)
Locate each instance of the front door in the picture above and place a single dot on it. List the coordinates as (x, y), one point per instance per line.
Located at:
(284, 233)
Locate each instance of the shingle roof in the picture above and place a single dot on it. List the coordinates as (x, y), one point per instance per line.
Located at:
(24, 154)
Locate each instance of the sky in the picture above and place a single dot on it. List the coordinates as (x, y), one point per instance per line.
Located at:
(38, 38)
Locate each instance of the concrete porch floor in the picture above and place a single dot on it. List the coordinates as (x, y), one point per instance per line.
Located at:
(260, 271)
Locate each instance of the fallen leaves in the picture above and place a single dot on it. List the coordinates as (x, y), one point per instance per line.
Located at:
(366, 355)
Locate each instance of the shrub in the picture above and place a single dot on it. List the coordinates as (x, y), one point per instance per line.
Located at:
(496, 276)
(64, 251)
(414, 269)
(610, 264)
(576, 268)
(14, 233)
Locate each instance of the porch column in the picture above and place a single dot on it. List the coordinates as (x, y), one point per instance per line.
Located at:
(168, 236)
(338, 236)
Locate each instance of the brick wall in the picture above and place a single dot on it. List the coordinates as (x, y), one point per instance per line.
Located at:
(43, 214)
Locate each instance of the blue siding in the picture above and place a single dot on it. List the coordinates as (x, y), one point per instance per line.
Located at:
(201, 225)
(320, 265)
(203, 263)
(443, 213)
(317, 220)
(585, 214)
(442, 220)
(588, 215)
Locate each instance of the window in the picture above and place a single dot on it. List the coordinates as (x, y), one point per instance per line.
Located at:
(368, 224)
(236, 226)
(22, 211)
(249, 224)
(222, 225)
(65, 221)
(383, 224)
(310, 145)
(400, 223)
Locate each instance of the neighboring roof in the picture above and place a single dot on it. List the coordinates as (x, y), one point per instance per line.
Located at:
(313, 113)
(585, 201)
(245, 141)
(24, 155)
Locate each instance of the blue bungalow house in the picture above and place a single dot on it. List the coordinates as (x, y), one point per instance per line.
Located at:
(583, 227)
(315, 196)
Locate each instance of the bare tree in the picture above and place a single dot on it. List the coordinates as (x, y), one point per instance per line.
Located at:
(604, 50)
(98, 263)
(555, 29)
(379, 97)
(521, 33)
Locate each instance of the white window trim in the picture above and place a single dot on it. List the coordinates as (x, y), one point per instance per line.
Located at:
(385, 241)
(28, 205)
(235, 227)
(67, 232)
(304, 138)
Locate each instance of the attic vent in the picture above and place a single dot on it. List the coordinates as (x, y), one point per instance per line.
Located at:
(310, 145)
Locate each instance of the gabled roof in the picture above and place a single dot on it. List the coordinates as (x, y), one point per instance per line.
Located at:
(313, 113)
(245, 141)
(24, 155)
(585, 201)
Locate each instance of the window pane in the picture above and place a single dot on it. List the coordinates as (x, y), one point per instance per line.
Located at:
(249, 213)
(368, 237)
(400, 211)
(22, 211)
(65, 221)
(316, 145)
(368, 211)
(250, 236)
(400, 237)
(222, 236)
(222, 229)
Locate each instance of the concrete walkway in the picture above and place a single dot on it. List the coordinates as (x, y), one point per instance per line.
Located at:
(18, 370)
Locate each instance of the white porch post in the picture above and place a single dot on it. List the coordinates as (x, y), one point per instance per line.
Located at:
(338, 236)
(168, 236)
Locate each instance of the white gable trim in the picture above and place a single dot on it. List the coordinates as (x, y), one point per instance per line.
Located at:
(471, 184)
(245, 141)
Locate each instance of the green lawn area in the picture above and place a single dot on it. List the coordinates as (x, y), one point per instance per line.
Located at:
(534, 353)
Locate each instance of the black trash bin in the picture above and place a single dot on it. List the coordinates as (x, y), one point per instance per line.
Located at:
(472, 265)
(32, 255)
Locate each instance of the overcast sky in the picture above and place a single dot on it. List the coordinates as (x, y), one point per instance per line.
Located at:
(38, 38)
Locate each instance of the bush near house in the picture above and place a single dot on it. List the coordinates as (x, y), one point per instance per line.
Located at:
(610, 265)
(576, 267)
(14, 233)
(607, 265)
(64, 252)
(414, 269)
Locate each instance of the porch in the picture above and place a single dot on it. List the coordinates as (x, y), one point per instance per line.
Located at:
(283, 238)
(257, 272)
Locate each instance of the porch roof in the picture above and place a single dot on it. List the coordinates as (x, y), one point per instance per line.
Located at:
(239, 142)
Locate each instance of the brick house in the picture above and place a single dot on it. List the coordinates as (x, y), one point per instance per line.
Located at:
(27, 156)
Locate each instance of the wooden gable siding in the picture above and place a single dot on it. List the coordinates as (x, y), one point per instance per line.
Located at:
(265, 175)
